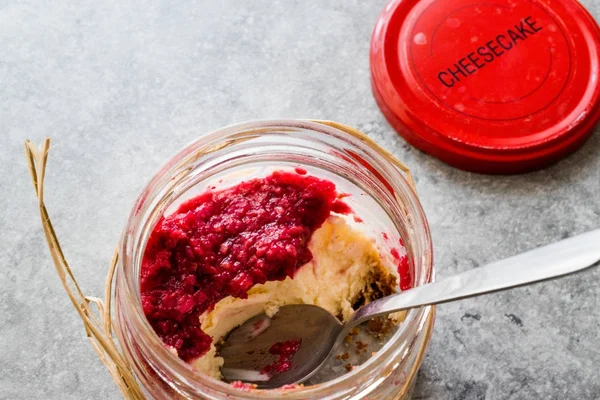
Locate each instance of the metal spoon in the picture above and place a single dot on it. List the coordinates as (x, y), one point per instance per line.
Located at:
(246, 349)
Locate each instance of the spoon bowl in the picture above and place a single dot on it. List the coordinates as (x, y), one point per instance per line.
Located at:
(246, 349)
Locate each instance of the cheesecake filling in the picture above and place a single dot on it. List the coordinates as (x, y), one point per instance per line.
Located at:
(227, 255)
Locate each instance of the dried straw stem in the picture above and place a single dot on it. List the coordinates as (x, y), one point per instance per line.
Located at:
(98, 327)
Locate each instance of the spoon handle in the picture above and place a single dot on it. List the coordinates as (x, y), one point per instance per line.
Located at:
(547, 262)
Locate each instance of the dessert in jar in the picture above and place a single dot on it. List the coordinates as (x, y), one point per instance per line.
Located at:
(261, 215)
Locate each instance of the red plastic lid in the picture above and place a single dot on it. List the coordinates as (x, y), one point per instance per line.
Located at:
(494, 87)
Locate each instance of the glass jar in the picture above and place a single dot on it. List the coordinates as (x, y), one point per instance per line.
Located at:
(380, 194)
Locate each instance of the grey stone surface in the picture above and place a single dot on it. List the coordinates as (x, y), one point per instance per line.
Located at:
(121, 85)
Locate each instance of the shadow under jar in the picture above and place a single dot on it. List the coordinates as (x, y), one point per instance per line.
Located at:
(379, 193)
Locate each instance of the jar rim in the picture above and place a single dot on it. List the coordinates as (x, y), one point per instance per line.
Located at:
(415, 318)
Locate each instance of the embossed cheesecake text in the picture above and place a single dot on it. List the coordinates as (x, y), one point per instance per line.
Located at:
(477, 59)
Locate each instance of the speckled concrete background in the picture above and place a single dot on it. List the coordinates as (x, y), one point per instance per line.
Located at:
(122, 85)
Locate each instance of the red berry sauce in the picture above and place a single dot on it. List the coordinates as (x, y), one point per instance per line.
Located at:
(286, 351)
(403, 268)
(222, 243)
